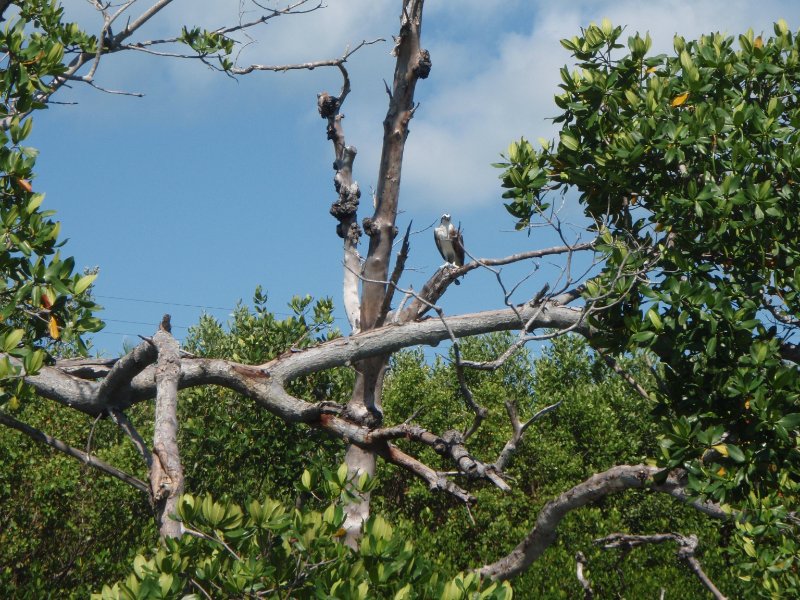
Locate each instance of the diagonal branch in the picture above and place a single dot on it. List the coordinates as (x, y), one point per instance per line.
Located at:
(687, 546)
(82, 456)
(127, 427)
(394, 280)
(518, 429)
(436, 286)
(126, 368)
(597, 486)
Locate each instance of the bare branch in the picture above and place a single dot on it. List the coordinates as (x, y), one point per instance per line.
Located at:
(627, 377)
(687, 546)
(394, 280)
(345, 209)
(290, 9)
(143, 18)
(518, 429)
(613, 480)
(125, 424)
(434, 479)
(264, 382)
(126, 368)
(166, 471)
(309, 66)
(412, 64)
(435, 287)
(580, 565)
(82, 456)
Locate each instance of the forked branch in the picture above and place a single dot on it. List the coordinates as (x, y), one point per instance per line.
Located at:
(613, 480)
(687, 547)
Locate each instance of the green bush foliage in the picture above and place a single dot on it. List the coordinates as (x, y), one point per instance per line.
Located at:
(271, 550)
(687, 163)
(600, 423)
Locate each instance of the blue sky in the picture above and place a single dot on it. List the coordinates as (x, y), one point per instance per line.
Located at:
(208, 186)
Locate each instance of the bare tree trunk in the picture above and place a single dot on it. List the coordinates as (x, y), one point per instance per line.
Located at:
(366, 399)
(166, 472)
(412, 64)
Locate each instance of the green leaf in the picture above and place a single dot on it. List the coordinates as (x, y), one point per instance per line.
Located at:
(790, 421)
(735, 453)
(569, 141)
(84, 282)
(12, 339)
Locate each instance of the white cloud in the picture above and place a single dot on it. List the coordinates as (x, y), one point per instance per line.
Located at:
(499, 87)
(495, 71)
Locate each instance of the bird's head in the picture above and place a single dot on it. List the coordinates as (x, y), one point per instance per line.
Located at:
(445, 218)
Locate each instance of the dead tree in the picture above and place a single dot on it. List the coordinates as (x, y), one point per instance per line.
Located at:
(381, 325)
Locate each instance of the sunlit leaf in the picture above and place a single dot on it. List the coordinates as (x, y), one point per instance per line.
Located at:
(52, 327)
(680, 99)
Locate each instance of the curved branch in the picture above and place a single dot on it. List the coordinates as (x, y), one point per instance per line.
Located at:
(616, 479)
(265, 383)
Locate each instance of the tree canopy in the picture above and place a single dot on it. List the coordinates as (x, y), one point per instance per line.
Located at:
(684, 385)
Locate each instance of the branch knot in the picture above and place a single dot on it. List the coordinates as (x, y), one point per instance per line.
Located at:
(423, 67)
(327, 106)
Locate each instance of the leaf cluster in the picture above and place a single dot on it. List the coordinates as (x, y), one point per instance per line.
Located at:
(688, 164)
(43, 303)
(272, 550)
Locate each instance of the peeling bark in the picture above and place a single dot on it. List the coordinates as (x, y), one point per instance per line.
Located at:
(265, 383)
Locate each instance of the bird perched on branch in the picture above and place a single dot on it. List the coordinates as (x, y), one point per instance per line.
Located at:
(449, 242)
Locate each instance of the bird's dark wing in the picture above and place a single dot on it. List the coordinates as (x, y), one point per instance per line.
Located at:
(437, 238)
(458, 247)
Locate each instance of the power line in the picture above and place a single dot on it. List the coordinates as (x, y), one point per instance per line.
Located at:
(142, 323)
(276, 313)
(104, 332)
(160, 302)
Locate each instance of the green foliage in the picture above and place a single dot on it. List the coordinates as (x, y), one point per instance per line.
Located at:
(271, 550)
(599, 424)
(226, 442)
(688, 164)
(42, 302)
(64, 527)
(261, 453)
(209, 44)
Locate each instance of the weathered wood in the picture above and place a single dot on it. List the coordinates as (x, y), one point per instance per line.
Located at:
(166, 472)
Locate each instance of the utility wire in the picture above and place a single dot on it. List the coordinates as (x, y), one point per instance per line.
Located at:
(160, 302)
(276, 313)
(142, 323)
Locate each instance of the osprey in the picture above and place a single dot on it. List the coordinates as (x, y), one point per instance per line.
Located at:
(449, 242)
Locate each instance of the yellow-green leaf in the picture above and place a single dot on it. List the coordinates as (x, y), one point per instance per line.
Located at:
(34, 203)
(84, 282)
(570, 142)
(12, 339)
